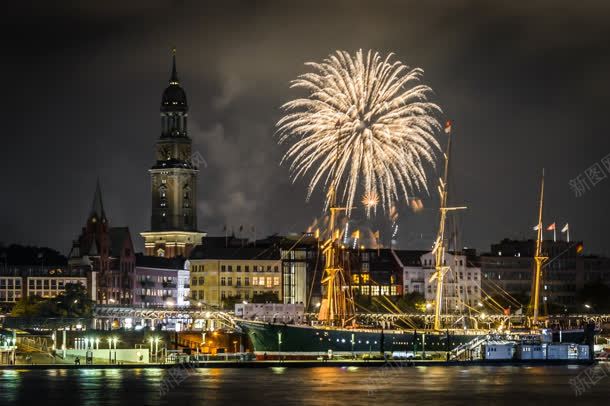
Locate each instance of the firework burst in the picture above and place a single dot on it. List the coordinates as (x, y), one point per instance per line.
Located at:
(367, 123)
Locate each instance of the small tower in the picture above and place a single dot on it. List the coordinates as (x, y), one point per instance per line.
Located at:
(173, 224)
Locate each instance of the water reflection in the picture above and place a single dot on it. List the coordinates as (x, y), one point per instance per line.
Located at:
(286, 386)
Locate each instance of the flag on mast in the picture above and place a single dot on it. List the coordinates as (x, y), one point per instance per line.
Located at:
(566, 229)
(553, 228)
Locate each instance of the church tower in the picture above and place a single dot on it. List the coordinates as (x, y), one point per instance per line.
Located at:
(173, 223)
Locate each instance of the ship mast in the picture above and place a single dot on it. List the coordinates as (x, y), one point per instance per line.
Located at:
(539, 258)
(337, 307)
(439, 246)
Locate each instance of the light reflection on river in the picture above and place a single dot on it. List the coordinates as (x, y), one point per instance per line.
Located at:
(517, 386)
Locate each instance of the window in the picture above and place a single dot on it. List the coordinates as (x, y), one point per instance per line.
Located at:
(230, 281)
(247, 281)
(365, 290)
(356, 278)
(223, 268)
(201, 281)
(194, 282)
(276, 269)
(276, 281)
(268, 268)
(255, 280)
(238, 281)
(375, 290)
(261, 281)
(223, 281)
(238, 268)
(365, 278)
(247, 268)
(230, 268)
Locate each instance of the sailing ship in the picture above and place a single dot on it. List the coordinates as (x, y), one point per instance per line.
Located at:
(337, 332)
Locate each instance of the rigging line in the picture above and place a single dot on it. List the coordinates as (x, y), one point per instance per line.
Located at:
(503, 292)
(515, 301)
(492, 300)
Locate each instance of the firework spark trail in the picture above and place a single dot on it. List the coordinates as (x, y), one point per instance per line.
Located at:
(367, 122)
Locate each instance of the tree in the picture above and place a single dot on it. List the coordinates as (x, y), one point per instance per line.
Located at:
(412, 303)
(74, 302)
(26, 307)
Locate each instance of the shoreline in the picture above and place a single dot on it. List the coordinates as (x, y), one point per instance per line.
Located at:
(306, 364)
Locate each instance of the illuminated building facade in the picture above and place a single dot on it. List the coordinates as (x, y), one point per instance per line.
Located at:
(222, 274)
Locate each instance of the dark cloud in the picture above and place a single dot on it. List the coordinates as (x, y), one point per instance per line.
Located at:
(525, 82)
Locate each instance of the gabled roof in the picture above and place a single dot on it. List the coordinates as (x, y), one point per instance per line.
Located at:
(146, 261)
(410, 257)
(243, 253)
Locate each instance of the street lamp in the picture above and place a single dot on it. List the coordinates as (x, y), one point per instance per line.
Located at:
(279, 345)
(114, 341)
(157, 349)
(151, 340)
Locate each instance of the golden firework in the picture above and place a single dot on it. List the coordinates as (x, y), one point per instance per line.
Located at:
(366, 123)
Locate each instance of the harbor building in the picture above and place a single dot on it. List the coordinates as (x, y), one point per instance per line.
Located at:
(508, 267)
(160, 281)
(375, 272)
(461, 285)
(173, 223)
(19, 282)
(302, 263)
(225, 271)
(106, 254)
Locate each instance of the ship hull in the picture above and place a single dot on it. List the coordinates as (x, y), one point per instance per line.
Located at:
(299, 341)
(272, 340)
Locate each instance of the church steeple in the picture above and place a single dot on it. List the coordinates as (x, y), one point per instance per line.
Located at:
(173, 223)
(174, 108)
(173, 80)
(97, 207)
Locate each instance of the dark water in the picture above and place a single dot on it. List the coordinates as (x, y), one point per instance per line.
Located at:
(317, 386)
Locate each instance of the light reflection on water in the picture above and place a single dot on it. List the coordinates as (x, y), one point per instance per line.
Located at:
(286, 386)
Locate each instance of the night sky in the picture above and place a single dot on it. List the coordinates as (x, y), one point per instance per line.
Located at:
(526, 83)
